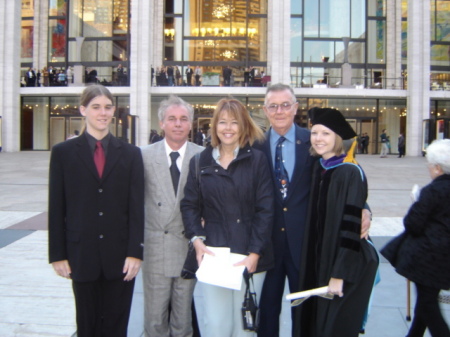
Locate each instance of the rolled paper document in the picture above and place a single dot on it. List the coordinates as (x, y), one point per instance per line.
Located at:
(303, 295)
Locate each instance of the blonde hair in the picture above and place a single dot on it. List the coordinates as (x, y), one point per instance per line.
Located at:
(249, 132)
(338, 148)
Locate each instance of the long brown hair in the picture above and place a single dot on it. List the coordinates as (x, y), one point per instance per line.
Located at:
(92, 91)
(249, 132)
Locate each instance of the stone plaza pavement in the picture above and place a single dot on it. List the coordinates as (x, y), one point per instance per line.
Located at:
(36, 302)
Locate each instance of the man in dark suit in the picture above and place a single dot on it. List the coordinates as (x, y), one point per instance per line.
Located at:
(291, 202)
(96, 218)
(189, 73)
(290, 205)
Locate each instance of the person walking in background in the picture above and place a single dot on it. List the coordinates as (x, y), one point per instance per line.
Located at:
(226, 73)
(422, 252)
(30, 77)
(177, 76)
(246, 77)
(166, 247)
(170, 76)
(198, 74)
(333, 253)
(121, 75)
(233, 194)
(365, 143)
(96, 218)
(189, 73)
(384, 144)
(154, 137)
(401, 145)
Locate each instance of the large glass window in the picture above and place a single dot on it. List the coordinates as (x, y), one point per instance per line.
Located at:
(57, 40)
(317, 37)
(216, 31)
(440, 33)
(27, 30)
(101, 28)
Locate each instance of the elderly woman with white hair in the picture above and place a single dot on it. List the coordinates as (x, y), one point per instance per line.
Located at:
(422, 252)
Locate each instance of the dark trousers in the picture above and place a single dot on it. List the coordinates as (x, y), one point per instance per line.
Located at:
(103, 307)
(272, 293)
(427, 314)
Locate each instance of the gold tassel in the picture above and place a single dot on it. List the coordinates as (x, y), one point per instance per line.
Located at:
(350, 157)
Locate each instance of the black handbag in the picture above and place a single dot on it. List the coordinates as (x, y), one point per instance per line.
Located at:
(391, 250)
(250, 310)
(190, 264)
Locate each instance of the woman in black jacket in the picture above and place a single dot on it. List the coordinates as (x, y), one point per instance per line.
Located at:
(422, 252)
(233, 195)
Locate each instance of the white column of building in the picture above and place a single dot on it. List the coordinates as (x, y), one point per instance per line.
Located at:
(418, 105)
(40, 35)
(279, 46)
(394, 44)
(157, 32)
(140, 66)
(10, 17)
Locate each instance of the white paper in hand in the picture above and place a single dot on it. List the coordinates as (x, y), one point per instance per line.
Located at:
(218, 270)
(304, 295)
(415, 193)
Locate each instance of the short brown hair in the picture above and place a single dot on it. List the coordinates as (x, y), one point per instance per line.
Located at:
(249, 132)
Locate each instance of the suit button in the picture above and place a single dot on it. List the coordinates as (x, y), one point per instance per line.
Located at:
(159, 204)
(238, 221)
(282, 229)
(285, 209)
(166, 232)
(100, 190)
(101, 236)
(100, 213)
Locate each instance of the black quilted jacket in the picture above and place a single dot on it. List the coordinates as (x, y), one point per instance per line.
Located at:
(424, 255)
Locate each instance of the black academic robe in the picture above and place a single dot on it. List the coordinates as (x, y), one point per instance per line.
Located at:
(332, 248)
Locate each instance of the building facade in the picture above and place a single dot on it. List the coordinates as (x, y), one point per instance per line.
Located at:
(384, 64)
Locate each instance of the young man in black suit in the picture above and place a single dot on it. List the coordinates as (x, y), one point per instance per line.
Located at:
(96, 218)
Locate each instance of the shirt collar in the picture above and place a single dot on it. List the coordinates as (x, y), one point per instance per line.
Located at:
(290, 135)
(216, 154)
(181, 150)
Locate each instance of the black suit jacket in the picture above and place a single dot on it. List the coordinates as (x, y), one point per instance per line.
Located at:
(94, 222)
(291, 213)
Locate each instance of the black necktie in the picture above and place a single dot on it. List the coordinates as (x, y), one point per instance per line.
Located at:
(280, 171)
(174, 171)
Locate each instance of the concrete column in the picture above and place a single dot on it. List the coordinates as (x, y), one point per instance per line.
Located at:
(394, 44)
(140, 63)
(279, 36)
(10, 18)
(157, 35)
(418, 104)
(40, 36)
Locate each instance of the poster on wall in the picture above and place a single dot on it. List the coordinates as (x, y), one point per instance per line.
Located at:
(440, 129)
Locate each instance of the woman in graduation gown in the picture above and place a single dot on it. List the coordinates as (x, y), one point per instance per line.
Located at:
(334, 254)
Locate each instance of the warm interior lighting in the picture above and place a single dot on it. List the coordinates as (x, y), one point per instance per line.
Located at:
(222, 11)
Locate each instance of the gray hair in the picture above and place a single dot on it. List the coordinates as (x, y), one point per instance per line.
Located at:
(174, 100)
(438, 153)
(280, 87)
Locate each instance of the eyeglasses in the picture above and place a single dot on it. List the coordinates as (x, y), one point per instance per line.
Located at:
(283, 106)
